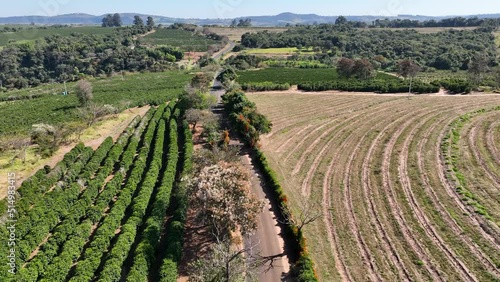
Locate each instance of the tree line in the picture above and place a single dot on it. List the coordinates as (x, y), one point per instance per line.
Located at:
(69, 58)
(446, 50)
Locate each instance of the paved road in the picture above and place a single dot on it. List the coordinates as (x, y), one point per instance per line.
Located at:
(229, 47)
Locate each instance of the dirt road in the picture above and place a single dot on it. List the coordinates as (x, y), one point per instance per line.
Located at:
(267, 239)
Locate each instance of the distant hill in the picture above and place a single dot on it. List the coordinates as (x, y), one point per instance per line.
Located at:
(276, 20)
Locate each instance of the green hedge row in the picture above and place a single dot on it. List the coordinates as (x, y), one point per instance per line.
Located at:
(378, 86)
(115, 259)
(265, 86)
(91, 257)
(37, 223)
(84, 207)
(144, 254)
(175, 230)
(454, 85)
(32, 188)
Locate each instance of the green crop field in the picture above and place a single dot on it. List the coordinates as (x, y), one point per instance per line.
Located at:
(32, 34)
(279, 51)
(185, 40)
(77, 207)
(53, 108)
(294, 76)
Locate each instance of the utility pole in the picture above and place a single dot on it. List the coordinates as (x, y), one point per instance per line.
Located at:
(65, 89)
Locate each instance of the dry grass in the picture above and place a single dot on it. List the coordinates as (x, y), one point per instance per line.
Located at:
(235, 34)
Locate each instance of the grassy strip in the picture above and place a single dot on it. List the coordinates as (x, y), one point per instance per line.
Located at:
(450, 151)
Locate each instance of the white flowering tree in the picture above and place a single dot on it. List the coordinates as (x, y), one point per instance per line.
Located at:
(223, 200)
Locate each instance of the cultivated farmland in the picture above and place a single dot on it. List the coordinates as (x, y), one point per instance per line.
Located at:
(408, 188)
(103, 215)
(30, 34)
(26, 107)
(296, 75)
(183, 39)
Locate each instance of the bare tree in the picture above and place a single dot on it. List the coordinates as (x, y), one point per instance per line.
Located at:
(309, 212)
(84, 92)
(225, 262)
(92, 112)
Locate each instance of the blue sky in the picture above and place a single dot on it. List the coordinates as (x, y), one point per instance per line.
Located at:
(237, 8)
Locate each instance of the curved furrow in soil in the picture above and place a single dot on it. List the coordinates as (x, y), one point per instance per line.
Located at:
(332, 234)
(437, 204)
(368, 259)
(394, 207)
(307, 153)
(417, 210)
(328, 113)
(490, 141)
(293, 134)
(327, 218)
(317, 129)
(285, 120)
(321, 105)
(344, 126)
(487, 231)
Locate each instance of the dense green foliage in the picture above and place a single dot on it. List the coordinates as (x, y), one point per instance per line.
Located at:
(73, 211)
(172, 253)
(68, 58)
(294, 76)
(443, 50)
(448, 22)
(264, 86)
(454, 85)
(144, 254)
(378, 86)
(244, 116)
(133, 90)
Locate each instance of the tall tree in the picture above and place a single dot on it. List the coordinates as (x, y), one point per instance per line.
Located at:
(222, 195)
(107, 21)
(150, 23)
(363, 69)
(340, 20)
(345, 67)
(117, 20)
(138, 21)
(408, 69)
(478, 66)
